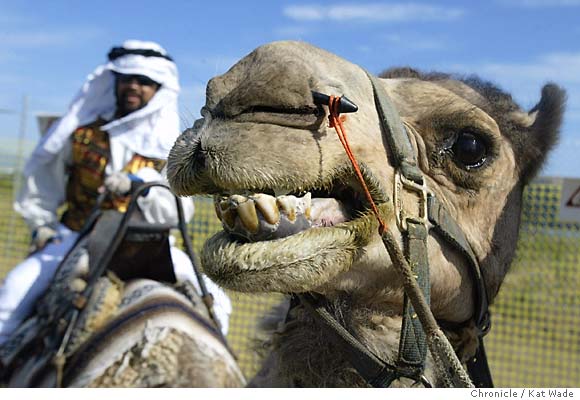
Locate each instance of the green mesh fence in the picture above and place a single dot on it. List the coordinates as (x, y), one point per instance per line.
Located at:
(247, 309)
(535, 339)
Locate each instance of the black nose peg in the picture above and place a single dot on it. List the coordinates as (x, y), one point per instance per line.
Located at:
(345, 106)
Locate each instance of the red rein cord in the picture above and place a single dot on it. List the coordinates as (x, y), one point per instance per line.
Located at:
(336, 123)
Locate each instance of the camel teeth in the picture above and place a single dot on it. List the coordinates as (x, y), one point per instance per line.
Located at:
(287, 204)
(228, 217)
(221, 204)
(238, 199)
(267, 206)
(307, 204)
(224, 205)
(245, 208)
(248, 215)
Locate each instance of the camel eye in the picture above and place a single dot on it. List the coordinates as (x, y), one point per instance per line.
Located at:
(469, 150)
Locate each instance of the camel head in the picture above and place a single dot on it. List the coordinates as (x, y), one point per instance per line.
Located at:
(295, 218)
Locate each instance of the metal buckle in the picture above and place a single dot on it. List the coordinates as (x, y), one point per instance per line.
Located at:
(401, 215)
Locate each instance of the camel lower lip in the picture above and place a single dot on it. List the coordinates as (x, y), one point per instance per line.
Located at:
(296, 263)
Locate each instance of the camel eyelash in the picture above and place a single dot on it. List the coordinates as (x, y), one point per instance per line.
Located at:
(449, 129)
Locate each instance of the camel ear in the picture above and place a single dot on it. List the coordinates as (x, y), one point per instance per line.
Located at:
(543, 129)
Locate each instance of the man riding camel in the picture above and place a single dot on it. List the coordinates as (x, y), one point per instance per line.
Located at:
(116, 133)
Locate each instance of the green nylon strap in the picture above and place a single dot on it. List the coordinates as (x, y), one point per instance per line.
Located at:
(394, 133)
(446, 363)
(413, 343)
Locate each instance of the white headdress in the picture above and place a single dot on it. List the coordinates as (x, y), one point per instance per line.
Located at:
(150, 131)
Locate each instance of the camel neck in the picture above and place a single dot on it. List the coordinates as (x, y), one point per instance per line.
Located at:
(310, 359)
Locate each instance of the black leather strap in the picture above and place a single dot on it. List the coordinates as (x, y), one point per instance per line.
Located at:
(478, 368)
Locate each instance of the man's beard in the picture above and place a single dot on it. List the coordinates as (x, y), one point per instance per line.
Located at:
(125, 107)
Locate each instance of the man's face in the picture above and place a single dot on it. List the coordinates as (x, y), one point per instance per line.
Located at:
(133, 92)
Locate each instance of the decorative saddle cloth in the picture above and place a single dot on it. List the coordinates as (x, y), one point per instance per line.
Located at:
(69, 325)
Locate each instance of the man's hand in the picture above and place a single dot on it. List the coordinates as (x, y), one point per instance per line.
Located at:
(118, 183)
(41, 237)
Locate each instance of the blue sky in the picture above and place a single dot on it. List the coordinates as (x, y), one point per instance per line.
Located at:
(48, 47)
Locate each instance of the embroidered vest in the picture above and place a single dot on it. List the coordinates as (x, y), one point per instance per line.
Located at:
(90, 156)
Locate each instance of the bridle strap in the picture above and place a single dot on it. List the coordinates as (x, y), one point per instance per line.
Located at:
(412, 345)
(419, 329)
(447, 227)
(394, 133)
(404, 158)
(478, 368)
(413, 342)
(370, 367)
(446, 363)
